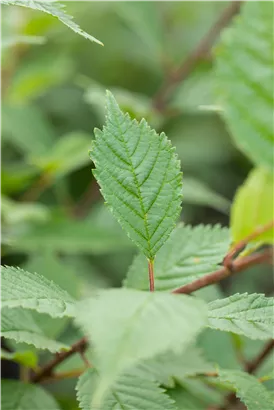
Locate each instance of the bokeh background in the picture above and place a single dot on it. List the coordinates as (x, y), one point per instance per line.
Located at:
(53, 217)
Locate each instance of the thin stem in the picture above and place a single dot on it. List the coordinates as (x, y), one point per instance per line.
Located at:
(239, 265)
(64, 375)
(201, 51)
(254, 364)
(151, 274)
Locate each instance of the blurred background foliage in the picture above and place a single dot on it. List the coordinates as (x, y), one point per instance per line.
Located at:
(53, 90)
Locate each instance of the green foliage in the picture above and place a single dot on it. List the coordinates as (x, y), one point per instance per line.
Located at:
(245, 78)
(129, 392)
(17, 395)
(189, 253)
(248, 315)
(26, 358)
(253, 206)
(32, 291)
(133, 321)
(252, 393)
(55, 10)
(139, 176)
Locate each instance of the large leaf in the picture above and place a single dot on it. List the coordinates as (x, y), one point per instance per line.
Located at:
(126, 326)
(245, 81)
(129, 392)
(16, 395)
(20, 288)
(249, 315)
(250, 391)
(253, 206)
(19, 325)
(189, 253)
(56, 10)
(140, 178)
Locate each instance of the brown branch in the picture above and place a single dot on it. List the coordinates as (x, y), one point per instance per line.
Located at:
(254, 364)
(71, 374)
(239, 265)
(47, 371)
(201, 51)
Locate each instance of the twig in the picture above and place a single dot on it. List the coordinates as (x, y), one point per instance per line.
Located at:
(239, 265)
(254, 364)
(197, 54)
(151, 275)
(63, 375)
(47, 371)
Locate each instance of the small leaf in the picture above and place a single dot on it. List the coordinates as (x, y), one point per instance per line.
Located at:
(243, 314)
(127, 326)
(26, 358)
(253, 206)
(140, 178)
(16, 395)
(129, 392)
(55, 10)
(32, 291)
(19, 325)
(189, 253)
(245, 81)
(249, 390)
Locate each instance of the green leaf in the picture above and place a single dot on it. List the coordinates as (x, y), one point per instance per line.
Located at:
(140, 178)
(170, 368)
(253, 206)
(127, 326)
(32, 291)
(249, 390)
(129, 392)
(14, 212)
(16, 395)
(26, 358)
(11, 41)
(248, 315)
(19, 325)
(55, 10)
(244, 71)
(189, 253)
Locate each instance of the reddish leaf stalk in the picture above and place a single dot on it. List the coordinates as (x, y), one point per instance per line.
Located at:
(151, 274)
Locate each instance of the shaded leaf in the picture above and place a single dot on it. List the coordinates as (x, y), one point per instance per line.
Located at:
(140, 178)
(248, 315)
(189, 253)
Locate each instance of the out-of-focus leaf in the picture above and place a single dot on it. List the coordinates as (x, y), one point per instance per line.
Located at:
(19, 325)
(16, 395)
(16, 212)
(253, 207)
(26, 358)
(244, 72)
(56, 10)
(27, 128)
(197, 193)
(14, 40)
(16, 177)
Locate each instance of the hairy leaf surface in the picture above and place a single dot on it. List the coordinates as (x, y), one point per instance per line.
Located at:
(244, 314)
(140, 178)
(33, 291)
(126, 326)
(16, 395)
(189, 253)
(55, 10)
(249, 390)
(19, 325)
(245, 81)
(129, 392)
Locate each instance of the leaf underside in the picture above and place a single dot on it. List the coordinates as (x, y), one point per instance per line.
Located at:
(139, 176)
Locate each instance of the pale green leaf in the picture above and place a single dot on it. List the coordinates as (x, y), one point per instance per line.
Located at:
(26, 358)
(14, 212)
(129, 392)
(11, 41)
(140, 178)
(244, 314)
(249, 390)
(253, 206)
(16, 395)
(55, 10)
(127, 326)
(20, 288)
(169, 368)
(189, 253)
(19, 325)
(244, 71)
